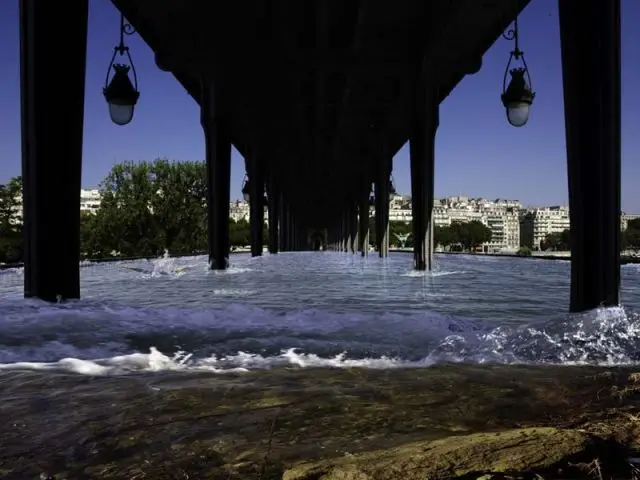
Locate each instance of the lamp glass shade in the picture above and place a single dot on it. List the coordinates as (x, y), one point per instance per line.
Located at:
(120, 114)
(518, 113)
(121, 96)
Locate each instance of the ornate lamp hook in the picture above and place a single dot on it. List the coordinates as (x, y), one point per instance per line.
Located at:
(122, 49)
(515, 54)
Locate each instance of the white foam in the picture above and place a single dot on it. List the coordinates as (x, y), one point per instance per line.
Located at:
(607, 336)
(233, 292)
(432, 273)
(232, 271)
(156, 361)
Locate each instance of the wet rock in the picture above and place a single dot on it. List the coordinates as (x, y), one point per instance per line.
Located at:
(513, 452)
(452, 421)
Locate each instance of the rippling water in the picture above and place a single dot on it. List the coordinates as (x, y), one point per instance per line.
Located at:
(313, 309)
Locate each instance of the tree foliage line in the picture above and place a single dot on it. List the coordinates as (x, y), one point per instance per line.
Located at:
(150, 207)
(146, 208)
(561, 241)
(11, 237)
(459, 236)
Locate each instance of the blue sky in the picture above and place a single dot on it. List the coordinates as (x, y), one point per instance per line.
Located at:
(478, 153)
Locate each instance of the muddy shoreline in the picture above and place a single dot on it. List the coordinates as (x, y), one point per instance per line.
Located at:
(450, 421)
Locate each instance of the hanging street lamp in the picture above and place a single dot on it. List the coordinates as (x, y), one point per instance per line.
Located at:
(246, 192)
(121, 95)
(246, 189)
(517, 97)
(392, 188)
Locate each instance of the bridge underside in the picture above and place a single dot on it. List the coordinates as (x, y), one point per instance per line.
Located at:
(319, 90)
(318, 95)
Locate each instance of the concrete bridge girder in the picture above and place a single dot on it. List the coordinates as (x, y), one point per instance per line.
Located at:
(352, 63)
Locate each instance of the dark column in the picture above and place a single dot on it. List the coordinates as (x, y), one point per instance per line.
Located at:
(590, 41)
(294, 234)
(422, 155)
(52, 128)
(256, 204)
(344, 240)
(302, 239)
(292, 231)
(363, 222)
(353, 227)
(335, 236)
(285, 227)
(382, 208)
(218, 157)
(274, 213)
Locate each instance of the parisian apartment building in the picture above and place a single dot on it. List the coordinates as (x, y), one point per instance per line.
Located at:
(512, 225)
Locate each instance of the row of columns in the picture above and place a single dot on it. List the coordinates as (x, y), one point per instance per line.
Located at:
(590, 44)
(352, 234)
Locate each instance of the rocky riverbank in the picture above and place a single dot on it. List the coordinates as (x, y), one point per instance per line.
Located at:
(455, 421)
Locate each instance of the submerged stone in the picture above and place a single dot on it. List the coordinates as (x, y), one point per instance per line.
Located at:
(515, 452)
(451, 421)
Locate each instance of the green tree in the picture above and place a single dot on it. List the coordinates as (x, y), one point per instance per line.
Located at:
(394, 227)
(11, 241)
(631, 236)
(125, 222)
(179, 205)
(90, 246)
(524, 252)
(559, 241)
(443, 236)
(399, 228)
(239, 233)
(470, 235)
(372, 231)
(148, 207)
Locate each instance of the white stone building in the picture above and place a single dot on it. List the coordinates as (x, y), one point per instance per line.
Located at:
(90, 200)
(537, 223)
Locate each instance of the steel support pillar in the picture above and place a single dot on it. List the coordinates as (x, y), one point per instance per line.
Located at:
(256, 204)
(590, 45)
(292, 231)
(363, 222)
(274, 214)
(285, 226)
(52, 130)
(344, 240)
(334, 235)
(353, 227)
(383, 174)
(356, 239)
(422, 159)
(218, 158)
(302, 239)
(294, 234)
